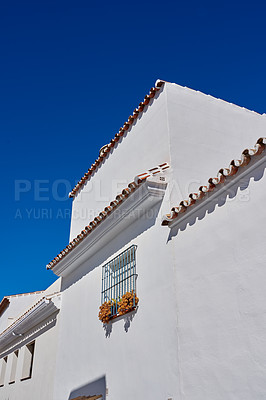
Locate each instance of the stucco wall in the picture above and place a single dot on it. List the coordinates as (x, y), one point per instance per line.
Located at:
(220, 276)
(136, 361)
(219, 252)
(199, 330)
(205, 135)
(40, 385)
(200, 322)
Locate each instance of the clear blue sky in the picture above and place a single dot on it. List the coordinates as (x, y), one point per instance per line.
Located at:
(70, 75)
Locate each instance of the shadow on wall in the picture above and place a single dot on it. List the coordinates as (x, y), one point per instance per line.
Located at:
(94, 388)
(128, 318)
(210, 201)
(135, 229)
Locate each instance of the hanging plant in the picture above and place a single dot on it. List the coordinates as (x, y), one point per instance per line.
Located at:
(127, 303)
(105, 312)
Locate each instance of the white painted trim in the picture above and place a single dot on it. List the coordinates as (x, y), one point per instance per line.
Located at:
(38, 314)
(144, 198)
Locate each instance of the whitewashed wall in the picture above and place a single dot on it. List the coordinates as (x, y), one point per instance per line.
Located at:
(205, 135)
(220, 256)
(40, 385)
(220, 277)
(138, 362)
(190, 338)
(199, 331)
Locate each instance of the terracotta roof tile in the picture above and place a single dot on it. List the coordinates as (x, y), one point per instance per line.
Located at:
(105, 150)
(25, 294)
(139, 179)
(223, 173)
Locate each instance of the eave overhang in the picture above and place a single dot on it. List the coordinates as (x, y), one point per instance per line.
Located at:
(149, 193)
(40, 312)
(226, 178)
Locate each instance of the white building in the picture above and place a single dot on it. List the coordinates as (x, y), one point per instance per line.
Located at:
(152, 216)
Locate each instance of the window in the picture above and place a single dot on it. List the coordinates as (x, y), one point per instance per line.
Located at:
(3, 371)
(14, 367)
(28, 361)
(119, 279)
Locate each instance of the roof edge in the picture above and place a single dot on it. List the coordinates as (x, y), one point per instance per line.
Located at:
(105, 150)
(34, 315)
(222, 175)
(109, 209)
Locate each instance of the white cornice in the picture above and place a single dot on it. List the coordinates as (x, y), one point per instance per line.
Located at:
(38, 314)
(135, 206)
(29, 336)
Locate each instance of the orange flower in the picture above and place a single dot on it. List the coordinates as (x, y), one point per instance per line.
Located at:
(127, 303)
(105, 312)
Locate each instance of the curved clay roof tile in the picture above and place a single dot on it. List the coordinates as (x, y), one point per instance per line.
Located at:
(223, 173)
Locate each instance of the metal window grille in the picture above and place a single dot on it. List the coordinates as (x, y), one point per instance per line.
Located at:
(119, 277)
